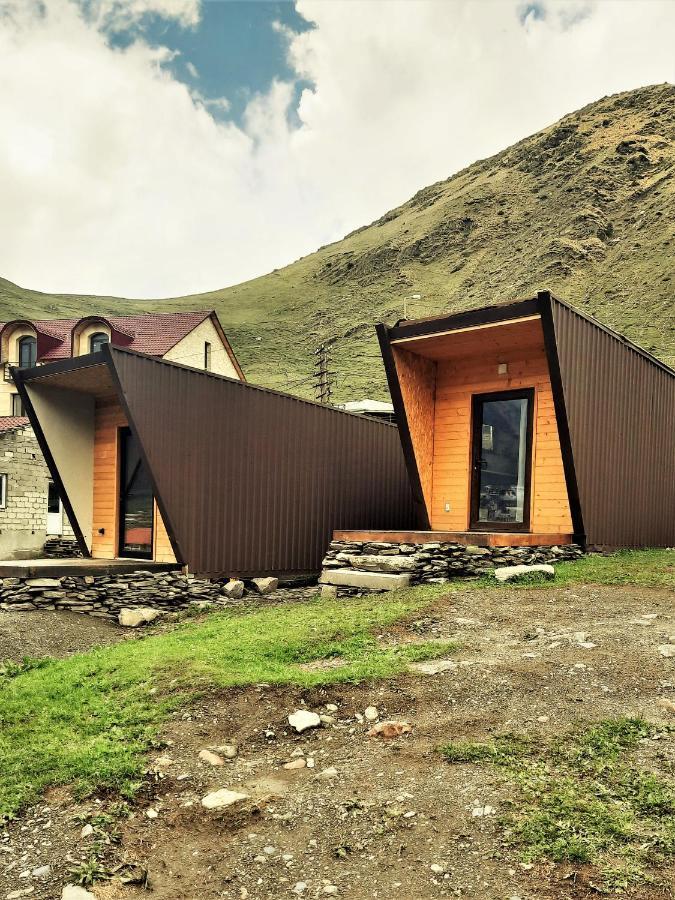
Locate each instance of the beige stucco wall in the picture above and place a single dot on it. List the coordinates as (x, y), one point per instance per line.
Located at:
(190, 350)
(81, 337)
(67, 421)
(10, 356)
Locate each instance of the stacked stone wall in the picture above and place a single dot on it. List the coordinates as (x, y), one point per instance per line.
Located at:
(436, 563)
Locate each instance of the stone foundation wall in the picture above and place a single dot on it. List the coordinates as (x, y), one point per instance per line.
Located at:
(105, 595)
(437, 562)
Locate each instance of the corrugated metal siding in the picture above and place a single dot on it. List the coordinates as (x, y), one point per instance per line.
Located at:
(252, 481)
(621, 413)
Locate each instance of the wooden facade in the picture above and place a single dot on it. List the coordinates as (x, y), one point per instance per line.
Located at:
(109, 419)
(438, 375)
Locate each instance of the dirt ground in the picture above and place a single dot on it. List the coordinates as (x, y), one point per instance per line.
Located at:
(393, 820)
(52, 633)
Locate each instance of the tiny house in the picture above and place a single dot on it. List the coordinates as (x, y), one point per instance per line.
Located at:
(531, 423)
(161, 462)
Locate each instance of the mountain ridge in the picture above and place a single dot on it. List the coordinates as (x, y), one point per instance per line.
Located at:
(584, 208)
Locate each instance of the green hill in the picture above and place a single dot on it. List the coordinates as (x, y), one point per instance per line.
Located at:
(585, 208)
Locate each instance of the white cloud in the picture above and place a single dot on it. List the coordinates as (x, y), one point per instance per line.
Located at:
(115, 178)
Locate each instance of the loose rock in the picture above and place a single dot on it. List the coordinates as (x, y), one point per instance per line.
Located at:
(388, 730)
(132, 618)
(667, 650)
(234, 589)
(513, 573)
(75, 892)
(265, 585)
(371, 713)
(302, 719)
(211, 758)
(222, 799)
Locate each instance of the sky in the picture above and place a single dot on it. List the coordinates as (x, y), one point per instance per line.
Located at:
(154, 148)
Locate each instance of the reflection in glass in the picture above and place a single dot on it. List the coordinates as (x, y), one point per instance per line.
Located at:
(502, 461)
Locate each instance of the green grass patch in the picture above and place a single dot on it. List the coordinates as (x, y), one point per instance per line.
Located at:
(88, 719)
(583, 798)
(642, 568)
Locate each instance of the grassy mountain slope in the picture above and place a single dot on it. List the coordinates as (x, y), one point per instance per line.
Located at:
(585, 208)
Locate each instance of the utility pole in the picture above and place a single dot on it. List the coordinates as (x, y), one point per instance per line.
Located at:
(322, 375)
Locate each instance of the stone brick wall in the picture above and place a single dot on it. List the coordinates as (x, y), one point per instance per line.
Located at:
(435, 563)
(23, 521)
(104, 596)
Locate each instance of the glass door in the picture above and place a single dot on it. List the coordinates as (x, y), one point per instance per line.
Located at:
(501, 460)
(136, 501)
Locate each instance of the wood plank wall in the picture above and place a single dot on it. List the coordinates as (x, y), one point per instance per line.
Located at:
(417, 378)
(109, 418)
(456, 382)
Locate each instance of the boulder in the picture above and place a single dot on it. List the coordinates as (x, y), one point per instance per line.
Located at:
(213, 759)
(132, 618)
(302, 719)
(233, 589)
(393, 564)
(222, 799)
(369, 581)
(75, 892)
(513, 573)
(328, 591)
(265, 585)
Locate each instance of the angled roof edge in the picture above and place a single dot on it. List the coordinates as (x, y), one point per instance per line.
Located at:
(611, 332)
(484, 315)
(108, 352)
(503, 312)
(226, 343)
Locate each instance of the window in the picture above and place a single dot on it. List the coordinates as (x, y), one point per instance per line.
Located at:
(53, 500)
(27, 352)
(17, 405)
(3, 492)
(97, 340)
(207, 356)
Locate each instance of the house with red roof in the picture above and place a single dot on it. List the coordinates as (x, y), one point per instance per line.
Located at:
(30, 508)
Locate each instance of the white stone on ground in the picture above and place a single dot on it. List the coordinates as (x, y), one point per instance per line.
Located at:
(265, 585)
(222, 799)
(228, 751)
(233, 589)
(512, 573)
(132, 618)
(371, 713)
(667, 650)
(302, 719)
(75, 892)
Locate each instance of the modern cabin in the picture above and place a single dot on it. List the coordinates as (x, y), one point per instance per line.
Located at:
(530, 423)
(160, 462)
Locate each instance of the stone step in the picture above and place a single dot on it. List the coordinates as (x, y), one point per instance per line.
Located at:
(369, 581)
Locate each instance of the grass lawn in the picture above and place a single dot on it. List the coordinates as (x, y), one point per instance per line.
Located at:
(88, 719)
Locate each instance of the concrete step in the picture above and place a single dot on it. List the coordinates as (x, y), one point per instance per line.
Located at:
(368, 581)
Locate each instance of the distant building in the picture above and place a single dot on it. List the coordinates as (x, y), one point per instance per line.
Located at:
(31, 510)
(374, 409)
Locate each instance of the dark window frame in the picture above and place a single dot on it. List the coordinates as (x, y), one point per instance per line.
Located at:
(97, 340)
(18, 401)
(477, 401)
(28, 340)
(207, 356)
(4, 483)
(124, 433)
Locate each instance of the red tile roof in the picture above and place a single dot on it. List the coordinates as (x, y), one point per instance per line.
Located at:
(151, 333)
(9, 423)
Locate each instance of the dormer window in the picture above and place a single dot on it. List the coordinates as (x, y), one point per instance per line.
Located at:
(27, 352)
(97, 340)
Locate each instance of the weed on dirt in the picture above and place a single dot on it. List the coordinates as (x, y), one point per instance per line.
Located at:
(585, 798)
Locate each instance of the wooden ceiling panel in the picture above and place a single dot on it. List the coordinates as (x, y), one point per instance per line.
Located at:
(503, 337)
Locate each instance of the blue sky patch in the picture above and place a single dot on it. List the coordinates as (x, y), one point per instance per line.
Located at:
(233, 53)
